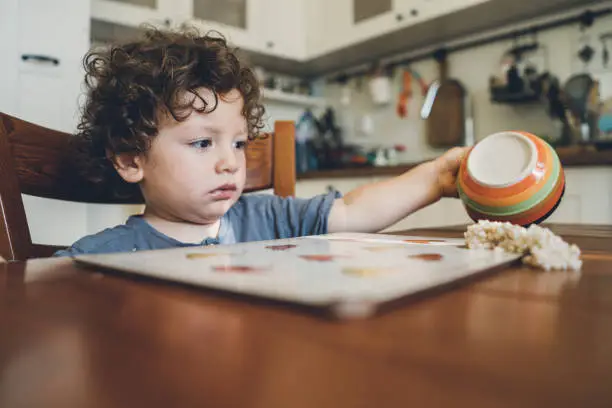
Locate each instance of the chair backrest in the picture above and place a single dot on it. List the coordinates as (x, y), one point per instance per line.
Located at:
(38, 161)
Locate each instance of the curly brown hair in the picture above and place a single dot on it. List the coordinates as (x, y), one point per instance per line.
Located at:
(131, 86)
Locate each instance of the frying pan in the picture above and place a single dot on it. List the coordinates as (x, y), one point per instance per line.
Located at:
(577, 90)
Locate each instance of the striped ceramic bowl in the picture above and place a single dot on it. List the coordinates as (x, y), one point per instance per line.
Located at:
(511, 176)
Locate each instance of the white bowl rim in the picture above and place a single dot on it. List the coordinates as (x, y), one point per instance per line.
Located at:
(531, 166)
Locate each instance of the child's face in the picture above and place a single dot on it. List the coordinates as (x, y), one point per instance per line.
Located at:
(195, 170)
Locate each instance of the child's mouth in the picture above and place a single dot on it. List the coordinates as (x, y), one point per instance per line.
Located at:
(224, 192)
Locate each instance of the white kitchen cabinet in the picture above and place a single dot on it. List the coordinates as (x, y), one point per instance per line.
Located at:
(9, 49)
(329, 23)
(428, 9)
(284, 27)
(294, 29)
(133, 13)
(237, 21)
(404, 13)
(42, 44)
(41, 74)
(344, 26)
(588, 197)
(397, 14)
(274, 27)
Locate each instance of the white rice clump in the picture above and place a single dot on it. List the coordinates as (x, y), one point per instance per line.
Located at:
(539, 246)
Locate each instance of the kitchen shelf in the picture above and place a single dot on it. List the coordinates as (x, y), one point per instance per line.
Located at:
(276, 95)
(503, 96)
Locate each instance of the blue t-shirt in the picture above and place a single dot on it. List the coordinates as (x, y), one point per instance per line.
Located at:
(254, 217)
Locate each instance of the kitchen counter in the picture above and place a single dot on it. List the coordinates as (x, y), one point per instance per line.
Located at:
(575, 156)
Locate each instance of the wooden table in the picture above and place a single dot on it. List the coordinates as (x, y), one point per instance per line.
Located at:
(517, 338)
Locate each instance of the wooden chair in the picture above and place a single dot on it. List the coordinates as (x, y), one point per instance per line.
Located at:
(37, 161)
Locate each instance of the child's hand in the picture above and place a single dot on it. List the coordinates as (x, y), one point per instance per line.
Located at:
(448, 168)
(2, 260)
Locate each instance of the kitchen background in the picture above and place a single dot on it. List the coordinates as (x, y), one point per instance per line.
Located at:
(344, 70)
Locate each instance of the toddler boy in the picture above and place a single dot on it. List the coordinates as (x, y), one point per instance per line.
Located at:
(172, 115)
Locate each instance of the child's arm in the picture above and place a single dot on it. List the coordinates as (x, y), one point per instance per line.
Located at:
(376, 206)
(2, 259)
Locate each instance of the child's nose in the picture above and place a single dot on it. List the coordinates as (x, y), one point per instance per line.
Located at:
(227, 164)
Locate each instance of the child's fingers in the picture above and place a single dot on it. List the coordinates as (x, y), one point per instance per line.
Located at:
(456, 154)
(453, 157)
(449, 185)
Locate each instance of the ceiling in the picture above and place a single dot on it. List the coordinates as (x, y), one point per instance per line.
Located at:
(490, 15)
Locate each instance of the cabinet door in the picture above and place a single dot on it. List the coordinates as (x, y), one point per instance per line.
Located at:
(588, 197)
(236, 20)
(349, 22)
(231, 13)
(274, 27)
(9, 70)
(133, 13)
(421, 10)
(42, 79)
(367, 10)
(370, 19)
(282, 25)
(329, 25)
(355, 21)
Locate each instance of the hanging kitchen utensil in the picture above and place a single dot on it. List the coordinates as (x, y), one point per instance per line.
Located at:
(470, 132)
(586, 53)
(430, 97)
(605, 53)
(445, 107)
(585, 49)
(422, 84)
(551, 89)
(345, 90)
(405, 94)
(577, 91)
(380, 86)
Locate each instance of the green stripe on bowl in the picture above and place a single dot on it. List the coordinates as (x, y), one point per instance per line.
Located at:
(523, 206)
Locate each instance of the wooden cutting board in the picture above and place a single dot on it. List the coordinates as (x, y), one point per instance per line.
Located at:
(446, 122)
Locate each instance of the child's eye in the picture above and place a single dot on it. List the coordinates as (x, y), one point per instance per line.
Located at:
(201, 144)
(240, 145)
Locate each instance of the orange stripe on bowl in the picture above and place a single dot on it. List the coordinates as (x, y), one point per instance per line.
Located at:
(527, 217)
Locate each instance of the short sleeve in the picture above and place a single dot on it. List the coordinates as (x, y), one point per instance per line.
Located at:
(264, 216)
(117, 239)
(303, 217)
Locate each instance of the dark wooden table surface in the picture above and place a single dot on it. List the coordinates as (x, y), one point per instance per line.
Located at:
(517, 338)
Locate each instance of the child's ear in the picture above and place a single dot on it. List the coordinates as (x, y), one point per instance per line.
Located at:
(129, 167)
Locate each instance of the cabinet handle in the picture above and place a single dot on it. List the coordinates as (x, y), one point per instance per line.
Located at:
(414, 12)
(39, 58)
(270, 44)
(399, 17)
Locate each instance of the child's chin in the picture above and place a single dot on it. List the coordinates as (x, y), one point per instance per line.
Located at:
(220, 207)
